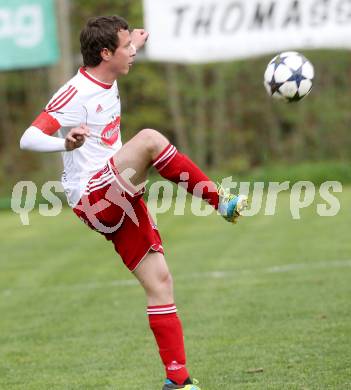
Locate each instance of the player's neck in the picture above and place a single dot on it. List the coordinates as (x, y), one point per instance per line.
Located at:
(101, 74)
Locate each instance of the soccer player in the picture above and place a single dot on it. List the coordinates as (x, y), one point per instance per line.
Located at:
(103, 179)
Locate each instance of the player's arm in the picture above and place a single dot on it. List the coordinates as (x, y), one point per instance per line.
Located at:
(35, 139)
(63, 110)
(139, 36)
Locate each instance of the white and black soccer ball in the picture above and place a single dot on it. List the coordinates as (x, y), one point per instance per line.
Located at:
(289, 76)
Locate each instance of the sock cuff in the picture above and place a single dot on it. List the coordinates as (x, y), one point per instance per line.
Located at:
(165, 157)
(162, 309)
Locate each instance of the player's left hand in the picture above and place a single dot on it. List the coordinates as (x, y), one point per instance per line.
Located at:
(139, 37)
(75, 138)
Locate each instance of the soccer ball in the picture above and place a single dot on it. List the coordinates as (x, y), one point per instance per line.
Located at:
(289, 77)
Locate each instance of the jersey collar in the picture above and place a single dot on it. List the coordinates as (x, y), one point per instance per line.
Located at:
(93, 79)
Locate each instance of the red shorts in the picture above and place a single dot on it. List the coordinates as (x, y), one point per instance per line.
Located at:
(110, 207)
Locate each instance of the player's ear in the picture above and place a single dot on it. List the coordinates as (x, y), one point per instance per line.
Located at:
(106, 54)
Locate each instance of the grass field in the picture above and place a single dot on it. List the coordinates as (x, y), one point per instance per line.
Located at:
(271, 293)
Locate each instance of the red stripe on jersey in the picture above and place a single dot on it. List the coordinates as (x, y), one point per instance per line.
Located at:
(60, 96)
(52, 106)
(46, 123)
(66, 101)
(87, 75)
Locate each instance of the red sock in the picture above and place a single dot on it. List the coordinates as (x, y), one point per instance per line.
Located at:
(168, 333)
(171, 164)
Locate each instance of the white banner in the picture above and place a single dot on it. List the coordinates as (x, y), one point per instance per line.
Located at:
(196, 31)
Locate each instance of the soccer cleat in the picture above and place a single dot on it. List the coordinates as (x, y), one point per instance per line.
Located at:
(169, 385)
(230, 206)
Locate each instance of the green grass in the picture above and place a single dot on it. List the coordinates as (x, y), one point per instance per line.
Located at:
(271, 293)
(315, 171)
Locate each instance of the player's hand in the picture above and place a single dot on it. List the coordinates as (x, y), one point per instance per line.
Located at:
(76, 137)
(139, 36)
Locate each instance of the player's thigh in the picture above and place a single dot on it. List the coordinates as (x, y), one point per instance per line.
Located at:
(138, 153)
(132, 156)
(154, 275)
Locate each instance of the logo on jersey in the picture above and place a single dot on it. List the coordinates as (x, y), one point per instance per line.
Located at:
(98, 108)
(110, 133)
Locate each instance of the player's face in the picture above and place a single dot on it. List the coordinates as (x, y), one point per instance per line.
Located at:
(124, 55)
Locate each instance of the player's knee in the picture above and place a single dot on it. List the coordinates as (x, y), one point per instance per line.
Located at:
(163, 283)
(151, 139)
(165, 280)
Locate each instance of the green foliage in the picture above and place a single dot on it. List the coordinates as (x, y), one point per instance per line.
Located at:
(218, 113)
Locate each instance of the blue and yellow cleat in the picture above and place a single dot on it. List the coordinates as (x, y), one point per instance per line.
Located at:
(231, 206)
(169, 385)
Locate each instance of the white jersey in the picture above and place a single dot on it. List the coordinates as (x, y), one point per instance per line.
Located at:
(86, 100)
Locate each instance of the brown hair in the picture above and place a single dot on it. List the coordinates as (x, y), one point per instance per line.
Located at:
(99, 33)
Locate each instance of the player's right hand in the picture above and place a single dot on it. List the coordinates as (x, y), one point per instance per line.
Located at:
(139, 36)
(76, 137)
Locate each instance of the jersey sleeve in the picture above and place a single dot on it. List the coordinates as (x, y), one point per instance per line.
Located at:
(65, 109)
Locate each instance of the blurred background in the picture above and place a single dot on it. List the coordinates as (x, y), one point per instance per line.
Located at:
(265, 304)
(218, 112)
